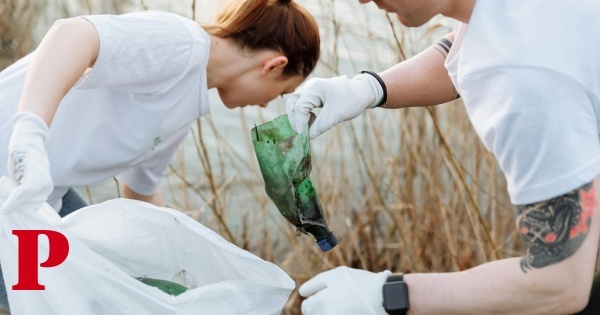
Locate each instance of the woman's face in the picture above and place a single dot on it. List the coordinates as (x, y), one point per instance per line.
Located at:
(256, 89)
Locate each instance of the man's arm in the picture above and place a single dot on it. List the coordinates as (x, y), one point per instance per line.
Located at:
(421, 80)
(554, 277)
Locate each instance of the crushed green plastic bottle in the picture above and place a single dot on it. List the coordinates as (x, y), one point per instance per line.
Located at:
(169, 287)
(285, 164)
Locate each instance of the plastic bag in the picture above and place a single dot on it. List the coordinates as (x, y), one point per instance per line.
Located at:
(285, 164)
(115, 241)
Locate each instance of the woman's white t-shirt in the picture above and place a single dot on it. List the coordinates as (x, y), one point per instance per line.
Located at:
(529, 75)
(126, 116)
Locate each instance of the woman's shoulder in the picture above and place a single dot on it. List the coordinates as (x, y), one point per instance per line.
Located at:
(152, 23)
(192, 27)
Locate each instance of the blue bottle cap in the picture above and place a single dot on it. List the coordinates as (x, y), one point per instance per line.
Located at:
(329, 242)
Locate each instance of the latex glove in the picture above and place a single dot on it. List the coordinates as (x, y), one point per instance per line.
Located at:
(28, 164)
(342, 99)
(346, 291)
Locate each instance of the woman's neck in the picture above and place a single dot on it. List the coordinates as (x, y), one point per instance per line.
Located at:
(224, 62)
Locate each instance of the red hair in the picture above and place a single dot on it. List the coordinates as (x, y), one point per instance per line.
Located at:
(280, 25)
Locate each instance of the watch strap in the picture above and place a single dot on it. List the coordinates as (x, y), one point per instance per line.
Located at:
(397, 291)
(395, 277)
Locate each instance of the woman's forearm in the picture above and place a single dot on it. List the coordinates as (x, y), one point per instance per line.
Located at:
(156, 199)
(67, 50)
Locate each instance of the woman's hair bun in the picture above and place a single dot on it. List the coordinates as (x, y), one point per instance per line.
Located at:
(285, 1)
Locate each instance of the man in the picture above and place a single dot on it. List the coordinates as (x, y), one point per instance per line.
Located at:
(529, 75)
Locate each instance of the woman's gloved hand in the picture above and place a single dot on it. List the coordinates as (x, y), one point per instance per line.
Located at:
(344, 290)
(28, 164)
(342, 99)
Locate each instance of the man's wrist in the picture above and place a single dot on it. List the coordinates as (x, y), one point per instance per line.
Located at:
(379, 86)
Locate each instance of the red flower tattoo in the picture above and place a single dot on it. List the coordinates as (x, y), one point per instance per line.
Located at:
(588, 202)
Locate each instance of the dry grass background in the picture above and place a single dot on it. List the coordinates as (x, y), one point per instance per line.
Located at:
(407, 190)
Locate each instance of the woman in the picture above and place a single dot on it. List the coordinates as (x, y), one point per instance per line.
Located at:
(107, 95)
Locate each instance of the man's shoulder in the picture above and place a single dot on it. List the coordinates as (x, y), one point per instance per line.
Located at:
(514, 32)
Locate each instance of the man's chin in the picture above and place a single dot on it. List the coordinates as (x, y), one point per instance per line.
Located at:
(409, 23)
(230, 105)
(403, 21)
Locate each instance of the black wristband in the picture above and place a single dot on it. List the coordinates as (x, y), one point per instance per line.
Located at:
(383, 100)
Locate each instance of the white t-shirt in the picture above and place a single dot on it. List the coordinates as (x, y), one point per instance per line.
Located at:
(126, 115)
(529, 75)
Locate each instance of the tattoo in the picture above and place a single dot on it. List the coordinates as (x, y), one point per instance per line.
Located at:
(456, 95)
(441, 52)
(445, 46)
(553, 230)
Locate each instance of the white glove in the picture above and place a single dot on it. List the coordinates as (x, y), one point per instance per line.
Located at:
(7, 186)
(28, 164)
(342, 99)
(346, 291)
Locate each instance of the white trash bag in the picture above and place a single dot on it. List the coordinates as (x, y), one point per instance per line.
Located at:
(113, 242)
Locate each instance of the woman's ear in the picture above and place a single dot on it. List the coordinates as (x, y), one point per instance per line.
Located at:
(274, 65)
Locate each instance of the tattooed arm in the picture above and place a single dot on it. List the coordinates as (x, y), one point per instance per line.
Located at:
(554, 277)
(421, 80)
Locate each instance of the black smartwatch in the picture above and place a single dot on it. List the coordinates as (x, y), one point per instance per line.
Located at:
(395, 295)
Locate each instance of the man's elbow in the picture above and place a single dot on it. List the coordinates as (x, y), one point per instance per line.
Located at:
(571, 296)
(577, 299)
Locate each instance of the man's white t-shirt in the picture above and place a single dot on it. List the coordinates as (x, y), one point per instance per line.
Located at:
(529, 75)
(127, 115)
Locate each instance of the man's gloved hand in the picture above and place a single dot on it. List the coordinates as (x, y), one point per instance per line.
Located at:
(345, 291)
(28, 164)
(342, 99)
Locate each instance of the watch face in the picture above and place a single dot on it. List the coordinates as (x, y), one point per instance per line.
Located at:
(395, 297)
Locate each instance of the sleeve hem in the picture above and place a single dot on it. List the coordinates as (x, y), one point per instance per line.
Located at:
(558, 187)
(94, 74)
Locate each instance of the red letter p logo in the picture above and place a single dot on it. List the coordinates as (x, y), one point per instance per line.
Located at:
(28, 256)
